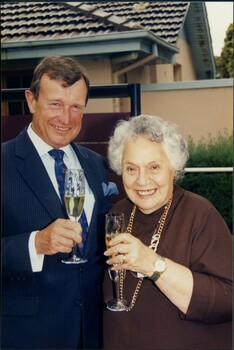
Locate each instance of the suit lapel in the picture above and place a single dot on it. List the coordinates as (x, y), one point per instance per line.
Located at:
(33, 171)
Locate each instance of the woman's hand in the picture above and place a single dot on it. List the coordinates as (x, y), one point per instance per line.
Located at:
(127, 252)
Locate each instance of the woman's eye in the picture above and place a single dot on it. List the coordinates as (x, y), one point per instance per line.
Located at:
(155, 167)
(130, 169)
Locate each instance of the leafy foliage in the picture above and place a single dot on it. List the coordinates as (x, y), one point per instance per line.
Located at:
(224, 63)
(215, 186)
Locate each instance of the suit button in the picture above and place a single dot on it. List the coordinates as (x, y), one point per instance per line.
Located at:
(82, 269)
(78, 303)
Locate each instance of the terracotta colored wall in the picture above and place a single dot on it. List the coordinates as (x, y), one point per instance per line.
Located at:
(198, 112)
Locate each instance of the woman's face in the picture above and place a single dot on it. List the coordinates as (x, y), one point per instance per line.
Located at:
(147, 174)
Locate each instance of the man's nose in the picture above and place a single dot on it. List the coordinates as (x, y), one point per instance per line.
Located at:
(65, 115)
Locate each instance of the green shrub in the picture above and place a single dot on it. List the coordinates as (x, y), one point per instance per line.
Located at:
(217, 186)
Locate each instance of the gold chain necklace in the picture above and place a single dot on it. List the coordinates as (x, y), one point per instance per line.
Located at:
(153, 245)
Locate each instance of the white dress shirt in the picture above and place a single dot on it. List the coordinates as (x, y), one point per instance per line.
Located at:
(72, 162)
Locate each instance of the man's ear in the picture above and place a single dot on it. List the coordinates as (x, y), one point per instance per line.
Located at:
(30, 100)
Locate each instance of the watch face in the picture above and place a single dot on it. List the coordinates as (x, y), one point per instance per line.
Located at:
(160, 265)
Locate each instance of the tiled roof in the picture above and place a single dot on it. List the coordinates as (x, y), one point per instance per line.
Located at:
(45, 20)
(27, 21)
(163, 18)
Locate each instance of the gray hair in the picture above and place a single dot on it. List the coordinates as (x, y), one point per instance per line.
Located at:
(155, 129)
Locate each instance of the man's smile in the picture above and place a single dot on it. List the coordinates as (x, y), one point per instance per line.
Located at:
(60, 128)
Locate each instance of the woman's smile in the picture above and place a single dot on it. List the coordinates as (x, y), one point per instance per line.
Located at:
(146, 193)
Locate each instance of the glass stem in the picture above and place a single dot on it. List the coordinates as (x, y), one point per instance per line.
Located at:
(117, 287)
(74, 250)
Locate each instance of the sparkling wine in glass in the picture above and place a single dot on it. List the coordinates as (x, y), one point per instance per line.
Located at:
(114, 225)
(74, 196)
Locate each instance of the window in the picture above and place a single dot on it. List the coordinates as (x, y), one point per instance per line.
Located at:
(18, 80)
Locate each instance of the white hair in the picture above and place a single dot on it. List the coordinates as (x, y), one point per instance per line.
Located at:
(155, 129)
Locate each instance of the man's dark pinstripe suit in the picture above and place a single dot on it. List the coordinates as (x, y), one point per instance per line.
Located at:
(51, 309)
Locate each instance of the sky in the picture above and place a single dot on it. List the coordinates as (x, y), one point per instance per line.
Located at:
(220, 15)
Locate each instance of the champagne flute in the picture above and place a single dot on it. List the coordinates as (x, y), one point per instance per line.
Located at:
(74, 196)
(114, 225)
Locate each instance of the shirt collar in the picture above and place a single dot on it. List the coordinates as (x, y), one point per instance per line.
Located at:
(41, 146)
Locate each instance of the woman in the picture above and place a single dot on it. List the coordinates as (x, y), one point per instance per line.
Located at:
(176, 250)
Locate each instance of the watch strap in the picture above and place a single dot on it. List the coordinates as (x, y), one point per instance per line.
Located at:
(155, 276)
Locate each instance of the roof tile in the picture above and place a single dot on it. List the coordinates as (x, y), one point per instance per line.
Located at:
(24, 21)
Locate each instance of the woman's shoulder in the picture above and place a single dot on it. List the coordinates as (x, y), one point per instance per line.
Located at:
(198, 201)
(197, 209)
(192, 199)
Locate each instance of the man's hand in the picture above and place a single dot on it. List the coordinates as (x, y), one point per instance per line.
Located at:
(58, 237)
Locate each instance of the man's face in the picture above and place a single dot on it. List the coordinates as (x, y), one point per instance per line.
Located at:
(58, 112)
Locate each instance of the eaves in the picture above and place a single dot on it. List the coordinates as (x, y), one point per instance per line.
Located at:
(142, 41)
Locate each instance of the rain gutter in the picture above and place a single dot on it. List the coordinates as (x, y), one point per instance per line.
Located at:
(139, 40)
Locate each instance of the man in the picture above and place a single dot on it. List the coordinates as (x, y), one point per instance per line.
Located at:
(48, 304)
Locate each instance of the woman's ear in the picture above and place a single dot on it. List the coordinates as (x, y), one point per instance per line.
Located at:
(30, 100)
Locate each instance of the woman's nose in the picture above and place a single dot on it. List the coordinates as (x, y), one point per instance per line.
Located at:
(142, 178)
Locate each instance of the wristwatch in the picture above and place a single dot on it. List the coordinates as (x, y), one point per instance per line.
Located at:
(159, 267)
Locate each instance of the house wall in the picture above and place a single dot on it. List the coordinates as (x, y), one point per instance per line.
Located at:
(185, 60)
(140, 74)
(99, 72)
(198, 109)
(165, 73)
(198, 112)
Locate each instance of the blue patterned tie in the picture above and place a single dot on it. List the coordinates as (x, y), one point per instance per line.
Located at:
(60, 169)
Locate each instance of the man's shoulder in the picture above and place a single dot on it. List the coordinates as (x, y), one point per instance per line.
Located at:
(20, 144)
(8, 146)
(87, 152)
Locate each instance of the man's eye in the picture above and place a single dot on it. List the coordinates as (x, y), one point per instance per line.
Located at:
(77, 108)
(55, 105)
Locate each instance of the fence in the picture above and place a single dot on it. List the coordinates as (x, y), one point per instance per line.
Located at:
(209, 170)
(99, 91)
